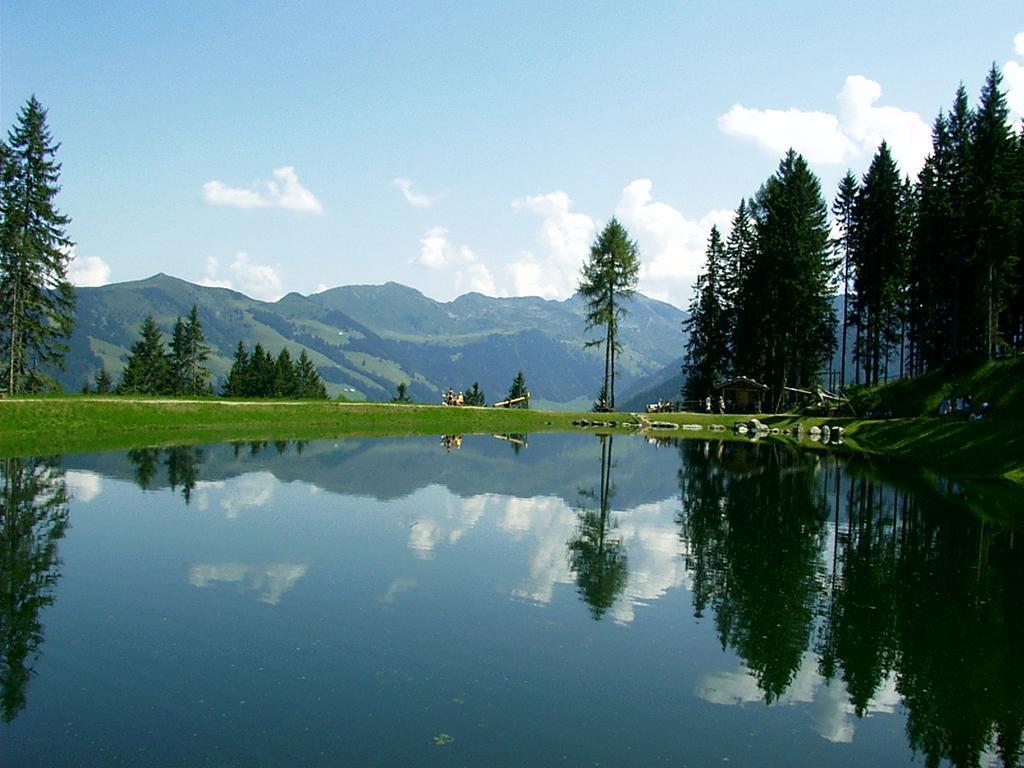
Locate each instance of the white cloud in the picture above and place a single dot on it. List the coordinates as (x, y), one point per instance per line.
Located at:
(909, 137)
(816, 135)
(283, 191)
(260, 281)
(415, 199)
(671, 246)
(85, 486)
(1013, 79)
(566, 236)
(217, 193)
(823, 137)
(88, 271)
(211, 279)
(469, 273)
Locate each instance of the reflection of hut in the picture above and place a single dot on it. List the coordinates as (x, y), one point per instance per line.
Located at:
(743, 395)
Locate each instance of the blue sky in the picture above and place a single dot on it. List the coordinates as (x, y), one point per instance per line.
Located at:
(279, 147)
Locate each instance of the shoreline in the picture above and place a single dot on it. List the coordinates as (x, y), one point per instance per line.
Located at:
(47, 425)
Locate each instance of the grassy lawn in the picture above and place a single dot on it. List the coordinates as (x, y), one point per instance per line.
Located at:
(48, 425)
(990, 448)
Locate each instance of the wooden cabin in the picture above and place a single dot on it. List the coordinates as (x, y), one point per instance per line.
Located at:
(743, 395)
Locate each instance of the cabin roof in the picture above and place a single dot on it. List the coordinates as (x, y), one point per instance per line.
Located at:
(743, 382)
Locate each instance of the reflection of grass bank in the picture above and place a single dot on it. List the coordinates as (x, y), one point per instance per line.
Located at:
(993, 447)
(48, 425)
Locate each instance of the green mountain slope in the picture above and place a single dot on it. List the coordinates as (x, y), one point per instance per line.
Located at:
(364, 340)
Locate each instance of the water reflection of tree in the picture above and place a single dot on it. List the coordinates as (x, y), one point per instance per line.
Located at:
(753, 538)
(597, 558)
(913, 588)
(33, 518)
(182, 463)
(862, 611)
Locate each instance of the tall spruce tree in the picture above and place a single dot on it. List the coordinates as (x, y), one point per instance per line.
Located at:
(308, 383)
(995, 213)
(189, 353)
(285, 382)
(475, 395)
(37, 302)
(236, 384)
(842, 210)
(148, 370)
(608, 278)
(960, 280)
(262, 373)
(707, 347)
(931, 258)
(878, 261)
(785, 318)
(740, 248)
(518, 390)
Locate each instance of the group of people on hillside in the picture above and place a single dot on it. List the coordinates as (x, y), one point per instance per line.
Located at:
(453, 398)
(963, 406)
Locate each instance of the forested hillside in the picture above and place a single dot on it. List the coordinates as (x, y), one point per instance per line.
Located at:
(364, 340)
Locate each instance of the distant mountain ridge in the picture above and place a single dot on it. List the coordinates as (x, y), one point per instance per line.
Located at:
(365, 339)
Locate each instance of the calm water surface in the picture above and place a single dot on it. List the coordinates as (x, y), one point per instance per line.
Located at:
(556, 600)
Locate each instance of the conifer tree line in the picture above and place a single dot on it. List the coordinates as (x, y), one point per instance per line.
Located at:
(259, 374)
(927, 272)
(153, 369)
(37, 302)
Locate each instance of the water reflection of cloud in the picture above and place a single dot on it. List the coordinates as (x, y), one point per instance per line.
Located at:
(551, 523)
(445, 522)
(272, 580)
(833, 717)
(249, 491)
(84, 486)
(397, 587)
(655, 557)
(544, 525)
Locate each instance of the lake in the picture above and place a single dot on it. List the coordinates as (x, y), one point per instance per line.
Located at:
(507, 601)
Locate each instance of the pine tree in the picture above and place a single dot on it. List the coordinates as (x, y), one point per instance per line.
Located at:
(707, 347)
(518, 390)
(401, 393)
(608, 278)
(995, 213)
(285, 383)
(931, 259)
(261, 373)
(37, 302)
(176, 360)
(103, 382)
(147, 371)
(189, 354)
(309, 385)
(960, 282)
(878, 262)
(236, 383)
(1015, 321)
(785, 316)
(740, 249)
(474, 395)
(842, 209)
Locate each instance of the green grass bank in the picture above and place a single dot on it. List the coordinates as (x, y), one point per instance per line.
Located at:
(911, 429)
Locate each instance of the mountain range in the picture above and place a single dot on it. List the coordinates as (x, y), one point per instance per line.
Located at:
(366, 339)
